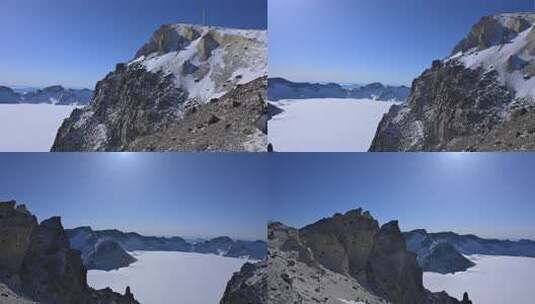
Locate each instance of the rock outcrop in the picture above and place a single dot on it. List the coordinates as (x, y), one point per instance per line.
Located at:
(249, 286)
(444, 258)
(280, 88)
(38, 264)
(107, 255)
(190, 88)
(347, 258)
(482, 98)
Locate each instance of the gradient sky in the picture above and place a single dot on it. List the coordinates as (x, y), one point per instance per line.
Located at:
(490, 195)
(77, 42)
(370, 40)
(192, 195)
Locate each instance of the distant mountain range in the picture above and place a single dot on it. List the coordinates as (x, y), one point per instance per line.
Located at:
(56, 95)
(108, 249)
(280, 88)
(443, 252)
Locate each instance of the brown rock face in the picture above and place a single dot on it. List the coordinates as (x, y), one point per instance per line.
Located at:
(16, 226)
(43, 266)
(392, 270)
(353, 244)
(346, 253)
(489, 31)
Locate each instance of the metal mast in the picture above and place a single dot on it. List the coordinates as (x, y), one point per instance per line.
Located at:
(204, 13)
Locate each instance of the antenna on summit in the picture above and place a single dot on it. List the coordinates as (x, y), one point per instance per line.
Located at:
(204, 13)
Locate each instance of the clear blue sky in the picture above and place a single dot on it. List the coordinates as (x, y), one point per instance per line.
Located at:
(77, 42)
(194, 195)
(491, 195)
(362, 41)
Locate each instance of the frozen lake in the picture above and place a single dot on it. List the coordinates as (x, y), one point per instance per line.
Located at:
(326, 125)
(494, 280)
(30, 127)
(171, 277)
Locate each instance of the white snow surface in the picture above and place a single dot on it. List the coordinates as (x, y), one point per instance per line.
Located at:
(350, 302)
(243, 58)
(30, 127)
(326, 125)
(496, 57)
(494, 280)
(171, 277)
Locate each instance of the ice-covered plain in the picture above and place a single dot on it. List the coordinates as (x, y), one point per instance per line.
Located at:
(30, 127)
(326, 125)
(494, 280)
(171, 277)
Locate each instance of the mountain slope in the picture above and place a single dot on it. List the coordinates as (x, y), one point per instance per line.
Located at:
(481, 98)
(347, 258)
(143, 105)
(280, 88)
(37, 262)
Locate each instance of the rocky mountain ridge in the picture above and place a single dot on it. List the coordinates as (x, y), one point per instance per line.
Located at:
(280, 88)
(56, 95)
(108, 249)
(347, 258)
(190, 88)
(481, 98)
(37, 263)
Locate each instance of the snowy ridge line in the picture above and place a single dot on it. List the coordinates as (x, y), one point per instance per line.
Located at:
(506, 59)
(215, 60)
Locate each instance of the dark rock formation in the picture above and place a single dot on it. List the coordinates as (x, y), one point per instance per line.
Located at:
(280, 88)
(190, 88)
(247, 286)
(471, 102)
(108, 255)
(37, 261)
(450, 108)
(127, 104)
(444, 258)
(353, 244)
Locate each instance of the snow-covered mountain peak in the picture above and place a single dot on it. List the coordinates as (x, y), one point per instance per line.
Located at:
(205, 61)
(504, 44)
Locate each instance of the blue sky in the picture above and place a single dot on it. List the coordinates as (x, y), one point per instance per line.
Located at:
(77, 42)
(194, 195)
(490, 195)
(362, 41)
